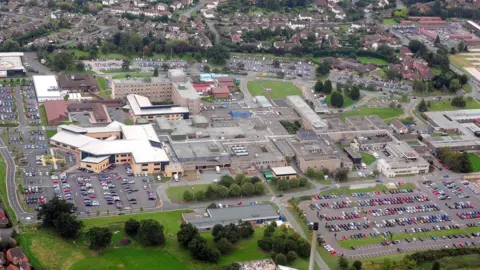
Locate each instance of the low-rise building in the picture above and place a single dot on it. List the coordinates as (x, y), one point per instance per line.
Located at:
(286, 172)
(402, 160)
(77, 83)
(398, 126)
(155, 89)
(257, 214)
(116, 143)
(46, 88)
(220, 92)
(310, 119)
(141, 107)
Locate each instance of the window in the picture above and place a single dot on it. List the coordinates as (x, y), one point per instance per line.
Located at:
(144, 170)
(156, 164)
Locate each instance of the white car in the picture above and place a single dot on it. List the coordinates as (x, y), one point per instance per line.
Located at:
(216, 180)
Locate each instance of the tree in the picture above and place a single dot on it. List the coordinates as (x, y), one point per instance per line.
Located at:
(464, 163)
(217, 54)
(226, 180)
(186, 234)
(247, 189)
(291, 256)
(324, 68)
(234, 190)
(422, 107)
(126, 64)
(79, 66)
(246, 229)
(131, 226)
(294, 183)
(222, 192)
(336, 99)
(393, 74)
(341, 175)
(302, 181)
(233, 266)
(318, 86)
(354, 93)
(418, 86)
(357, 265)
(463, 79)
(454, 85)
(280, 259)
(150, 233)
(200, 195)
(327, 87)
(188, 196)
(52, 209)
(165, 66)
(375, 172)
(67, 225)
(436, 266)
(259, 188)
(310, 172)
(343, 263)
(155, 72)
(224, 246)
(99, 237)
(458, 101)
(62, 61)
(206, 68)
(199, 249)
(453, 50)
(437, 40)
(283, 184)
(265, 243)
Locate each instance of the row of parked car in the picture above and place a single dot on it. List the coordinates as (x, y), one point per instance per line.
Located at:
(352, 226)
(332, 205)
(412, 220)
(400, 210)
(434, 228)
(469, 215)
(343, 216)
(460, 205)
(393, 200)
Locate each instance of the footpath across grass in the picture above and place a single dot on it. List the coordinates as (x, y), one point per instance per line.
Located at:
(475, 161)
(272, 89)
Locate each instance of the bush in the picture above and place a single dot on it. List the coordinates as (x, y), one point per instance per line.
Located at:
(224, 246)
(188, 196)
(150, 233)
(131, 227)
(280, 259)
(291, 257)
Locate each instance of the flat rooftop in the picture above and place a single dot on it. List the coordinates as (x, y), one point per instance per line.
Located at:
(140, 106)
(46, 87)
(160, 79)
(229, 215)
(204, 150)
(287, 170)
(11, 61)
(186, 90)
(305, 111)
(323, 148)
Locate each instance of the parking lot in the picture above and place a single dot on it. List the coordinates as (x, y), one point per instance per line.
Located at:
(392, 86)
(114, 190)
(8, 110)
(401, 220)
(30, 105)
(265, 66)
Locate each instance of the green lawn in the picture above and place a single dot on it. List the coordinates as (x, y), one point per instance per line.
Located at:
(390, 22)
(344, 27)
(379, 187)
(43, 114)
(386, 114)
(367, 158)
(105, 93)
(128, 122)
(347, 101)
(176, 193)
(272, 89)
(371, 60)
(50, 133)
(3, 191)
(444, 105)
(133, 75)
(46, 251)
(475, 162)
(102, 83)
(463, 262)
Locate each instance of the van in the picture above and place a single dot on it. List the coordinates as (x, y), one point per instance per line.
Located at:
(175, 177)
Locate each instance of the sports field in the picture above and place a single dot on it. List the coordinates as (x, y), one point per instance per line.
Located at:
(372, 60)
(272, 89)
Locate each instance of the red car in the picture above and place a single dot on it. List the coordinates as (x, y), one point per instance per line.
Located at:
(239, 203)
(55, 181)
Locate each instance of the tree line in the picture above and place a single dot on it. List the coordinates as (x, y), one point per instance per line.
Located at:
(228, 187)
(224, 237)
(284, 243)
(286, 184)
(457, 161)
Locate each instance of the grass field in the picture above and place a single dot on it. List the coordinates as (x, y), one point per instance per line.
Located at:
(379, 187)
(47, 251)
(128, 122)
(387, 114)
(367, 158)
(370, 60)
(390, 22)
(105, 93)
(176, 193)
(444, 105)
(272, 89)
(3, 190)
(43, 115)
(50, 133)
(475, 162)
(463, 262)
(102, 83)
(347, 101)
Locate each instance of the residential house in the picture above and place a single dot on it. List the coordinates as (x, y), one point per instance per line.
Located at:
(413, 68)
(221, 92)
(225, 82)
(139, 4)
(320, 3)
(208, 14)
(382, 3)
(161, 6)
(236, 38)
(4, 221)
(264, 45)
(176, 5)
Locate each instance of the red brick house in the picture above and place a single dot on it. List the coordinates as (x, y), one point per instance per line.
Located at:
(56, 111)
(221, 92)
(17, 257)
(225, 81)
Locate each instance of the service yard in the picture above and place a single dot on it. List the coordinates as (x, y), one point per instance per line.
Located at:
(380, 222)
